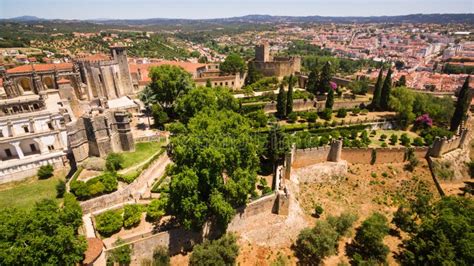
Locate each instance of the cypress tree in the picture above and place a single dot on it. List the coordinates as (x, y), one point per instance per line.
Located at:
(330, 99)
(377, 91)
(289, 96)
(281, 102)
(208, 83)
(402, 82)
(386, 89)
(462, 105)
(324, 79)
(252, 74)
(312, 83)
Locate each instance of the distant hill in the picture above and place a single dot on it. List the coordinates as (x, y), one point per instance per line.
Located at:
(267, 19)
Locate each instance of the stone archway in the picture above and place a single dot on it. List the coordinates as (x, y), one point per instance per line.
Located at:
(7, 152)
(29, 147)
(48, 83)
(25, 84)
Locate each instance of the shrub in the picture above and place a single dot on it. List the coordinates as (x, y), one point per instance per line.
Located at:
(132, 214)
(356, 111)
(258, 118)
(313, 245)
(418, 142)
(222, 251)
(161, 256)
(109, 222)
(114, 162)
(326, 114)
(405, 140)
(45, 171)
(157, 208)
(384, 145)
(393, 139)
(121, 255)
(383, 137)
(312, 116)
(364, 111)
(341, 113)
(412, 163)
(318, 210)
(292, 117)
(342, 223)
(60, 189)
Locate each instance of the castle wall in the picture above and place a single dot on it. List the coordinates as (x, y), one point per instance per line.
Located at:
(306, 157)
(383, 155)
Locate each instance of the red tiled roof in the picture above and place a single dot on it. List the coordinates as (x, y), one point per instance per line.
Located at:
(94, 249)
(40, 67)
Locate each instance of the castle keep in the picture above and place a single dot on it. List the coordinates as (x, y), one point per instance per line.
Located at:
(274, 66)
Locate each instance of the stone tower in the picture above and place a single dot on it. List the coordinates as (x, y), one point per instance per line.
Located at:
(262, 53)
(119, 54)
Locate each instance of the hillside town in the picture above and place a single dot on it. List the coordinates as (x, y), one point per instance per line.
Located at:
(210, 142)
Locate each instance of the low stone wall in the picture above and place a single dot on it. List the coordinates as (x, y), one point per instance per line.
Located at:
(28, 167)
(444, 145)
(134, 191)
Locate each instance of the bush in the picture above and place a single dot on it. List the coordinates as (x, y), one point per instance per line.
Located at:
(109, 222)
(313, 245)
(292, 117)
(384, 145)
(60, 189)
(405, 140)
(121, 255)
(383, 137)
(258, 118)
(341, 113)
(342, 223)
(418, 142)
(157, 208)
(318, 210)
(312, 116)
(326, 114)
(393, 139)
(412, 163)
(132, 215)
(114, 162)
(355, 111)
(161, 256)
(222, 251)
(45, 171)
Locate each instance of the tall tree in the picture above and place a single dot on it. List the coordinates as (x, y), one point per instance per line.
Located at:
(330, 99)
(233, 64)
(386, 90)
(252, 74)
(325, 78)
(281, 102)
(377, 91)
(402, 82)
(167, 84)
(462, 105)
(289, 96)
(312, 82)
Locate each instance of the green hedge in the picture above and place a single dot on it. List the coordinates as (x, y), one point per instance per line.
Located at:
(96, 186)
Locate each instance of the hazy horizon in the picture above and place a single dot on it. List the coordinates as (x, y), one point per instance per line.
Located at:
(206, 9)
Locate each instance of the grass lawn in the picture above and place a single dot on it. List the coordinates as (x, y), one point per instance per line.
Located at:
(376, 140)
(143, 151)
(23, 195)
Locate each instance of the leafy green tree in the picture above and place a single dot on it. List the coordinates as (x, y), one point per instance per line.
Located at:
(40, 236)
(281, 103)
(114, 162)
(325, 78)
(444, 235)
(386, 90)
(45, 171)
(122, 254)
(314, 244)
(277, 145)
(167, 84)
(289, 96)
(221, 208)
(71, 214)
(109, 222)
(342, 223)
(60, 189)
(377, 91)
(253, 75)
(312, 83)
(462, 105)
(330, 99)
(359, 87)
(222, 251)
(368, 246)
(404, 220)
(259, 118)
(233, 64)
(201, 98)
(160, 117)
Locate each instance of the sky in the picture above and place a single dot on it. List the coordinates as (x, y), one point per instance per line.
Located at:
(139, 9)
